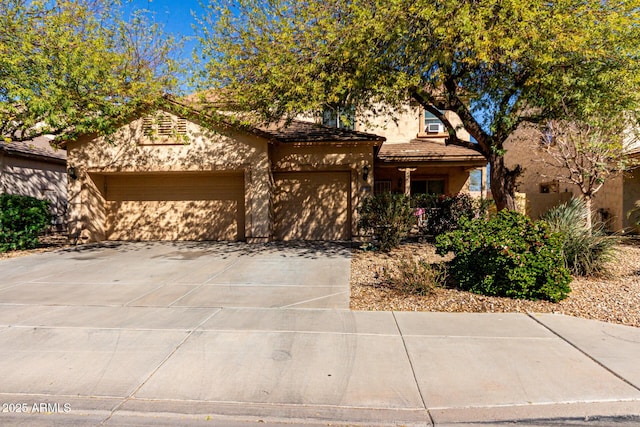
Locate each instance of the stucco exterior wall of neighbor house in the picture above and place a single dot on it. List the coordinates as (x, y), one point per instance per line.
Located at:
(545, 185)
(35, 169)
(631, 193)
(167, 187)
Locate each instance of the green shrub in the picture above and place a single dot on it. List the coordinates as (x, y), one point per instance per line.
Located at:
(509, 255)
(585, 251)
(443, 212)
(416, 276)
(387, 217)
(22, 219)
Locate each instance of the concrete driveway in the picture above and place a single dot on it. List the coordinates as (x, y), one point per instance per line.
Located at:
(182, 274)
(234, 335)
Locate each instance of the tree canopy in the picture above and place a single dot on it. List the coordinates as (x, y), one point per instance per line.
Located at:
(496, 63)
(69, 67)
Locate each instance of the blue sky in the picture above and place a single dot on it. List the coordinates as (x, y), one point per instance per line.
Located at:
(174, 15)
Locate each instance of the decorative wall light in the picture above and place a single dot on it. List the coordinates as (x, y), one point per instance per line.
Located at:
(73, 174)
(365, 172)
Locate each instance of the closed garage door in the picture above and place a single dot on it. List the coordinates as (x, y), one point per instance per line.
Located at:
(183, 206)
(312, 206)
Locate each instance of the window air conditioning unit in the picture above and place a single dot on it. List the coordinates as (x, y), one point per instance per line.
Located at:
(435, 128)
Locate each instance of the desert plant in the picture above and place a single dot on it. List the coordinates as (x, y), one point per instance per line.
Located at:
(22, 219)
(509, 255)
(387, 218)
(585, 250)
(415, 276)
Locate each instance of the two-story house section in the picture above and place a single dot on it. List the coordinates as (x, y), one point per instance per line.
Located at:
(414, 159)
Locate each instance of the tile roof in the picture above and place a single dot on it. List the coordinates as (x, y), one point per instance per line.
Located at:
(423, 150)
(300, 131)
(37, 147)
(291, 132)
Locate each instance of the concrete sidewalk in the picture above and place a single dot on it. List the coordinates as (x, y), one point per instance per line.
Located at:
(186, 366)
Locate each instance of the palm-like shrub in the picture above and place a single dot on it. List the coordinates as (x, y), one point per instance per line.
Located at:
(586, 251)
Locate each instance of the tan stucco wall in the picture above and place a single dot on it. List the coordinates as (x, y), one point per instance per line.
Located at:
(331, 157)
(36, 178)
(205, 151)
(523, 148)
(397, 126)
(403, 129)
(403, 126)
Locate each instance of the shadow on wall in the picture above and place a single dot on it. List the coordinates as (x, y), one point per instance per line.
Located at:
(131, 150)
(41, 180)
(174, 207)
(312, 206)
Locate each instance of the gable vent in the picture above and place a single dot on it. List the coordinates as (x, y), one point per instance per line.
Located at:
(164, 125)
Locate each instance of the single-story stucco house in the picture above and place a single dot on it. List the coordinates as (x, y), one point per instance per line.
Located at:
(168, 176)
(34, 168)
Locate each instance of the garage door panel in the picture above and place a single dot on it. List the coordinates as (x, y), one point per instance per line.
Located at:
(173, 220)
(178, 188)
(312, 206)
(175, 207)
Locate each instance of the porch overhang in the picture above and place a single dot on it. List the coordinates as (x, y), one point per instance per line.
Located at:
(420, 152)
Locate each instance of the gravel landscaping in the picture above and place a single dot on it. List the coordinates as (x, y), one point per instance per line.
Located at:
(614, 297)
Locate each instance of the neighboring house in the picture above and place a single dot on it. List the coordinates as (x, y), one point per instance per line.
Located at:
(172, 178)
(414, 158)
(34, 168)
(542, 183)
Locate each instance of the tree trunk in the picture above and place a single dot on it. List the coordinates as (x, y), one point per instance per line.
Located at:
(588, 213)
(503, 182)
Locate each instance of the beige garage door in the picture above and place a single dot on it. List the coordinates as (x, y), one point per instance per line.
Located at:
(175, 206)
(312, 206)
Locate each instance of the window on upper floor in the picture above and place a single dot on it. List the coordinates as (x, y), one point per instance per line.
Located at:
(339, 117)
(432, 124)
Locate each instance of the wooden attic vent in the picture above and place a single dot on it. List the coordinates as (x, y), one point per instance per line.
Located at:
(164, 125)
